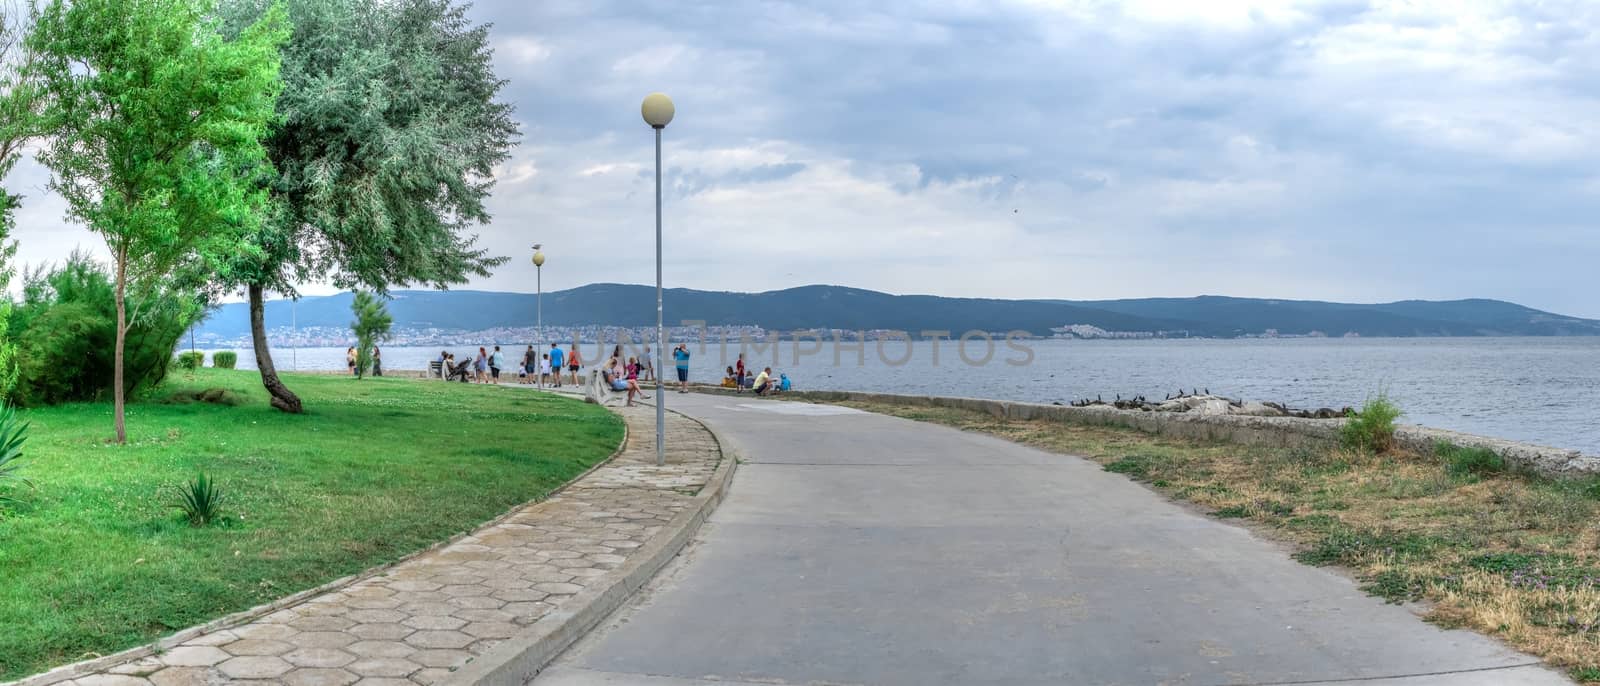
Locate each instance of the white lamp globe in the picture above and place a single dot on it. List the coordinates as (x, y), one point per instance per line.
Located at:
(657, 110)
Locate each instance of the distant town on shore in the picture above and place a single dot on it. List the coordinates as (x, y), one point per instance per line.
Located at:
(604, 312)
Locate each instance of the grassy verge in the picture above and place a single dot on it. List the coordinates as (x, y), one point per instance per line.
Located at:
(95, 559)
(1513, 556)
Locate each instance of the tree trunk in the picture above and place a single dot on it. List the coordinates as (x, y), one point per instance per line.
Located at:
(117, 394)
(282, 398)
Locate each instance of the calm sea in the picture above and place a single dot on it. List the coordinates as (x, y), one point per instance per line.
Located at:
(1540, 390)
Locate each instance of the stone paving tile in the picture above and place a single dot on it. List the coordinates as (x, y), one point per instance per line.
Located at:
(415, 623)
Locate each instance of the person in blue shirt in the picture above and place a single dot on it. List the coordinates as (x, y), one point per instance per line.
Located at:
(557, 356)
(680, 355)
(783, 382)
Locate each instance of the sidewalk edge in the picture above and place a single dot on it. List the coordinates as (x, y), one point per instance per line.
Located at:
(521, 658)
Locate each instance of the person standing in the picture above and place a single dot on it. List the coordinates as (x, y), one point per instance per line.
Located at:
(738, 371)
(544, 369)
(377, 362)
(647, 369)
(480, 365)
(557, 361)
(680, 359)
(495, 360)
(574, 361)
(350, 360)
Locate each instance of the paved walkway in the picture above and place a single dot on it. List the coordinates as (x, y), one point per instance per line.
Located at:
(861, 549)
(417, 621)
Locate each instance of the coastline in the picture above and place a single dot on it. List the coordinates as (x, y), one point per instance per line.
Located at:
(1544, 460)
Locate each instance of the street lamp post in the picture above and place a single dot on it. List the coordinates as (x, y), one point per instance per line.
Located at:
(657, 110)
(538, 278)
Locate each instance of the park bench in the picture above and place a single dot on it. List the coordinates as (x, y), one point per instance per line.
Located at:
(436, 370)
(597, 391)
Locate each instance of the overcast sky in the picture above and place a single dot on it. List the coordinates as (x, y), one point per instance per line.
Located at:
(1355, 151)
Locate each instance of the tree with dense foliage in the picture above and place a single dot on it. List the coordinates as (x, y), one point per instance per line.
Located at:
(65, 328)
(17, 125)
(371, 325)
(388, 132)
(155, 122)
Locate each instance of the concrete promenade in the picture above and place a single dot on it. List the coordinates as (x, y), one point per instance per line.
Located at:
(420, 620)
(861, 549)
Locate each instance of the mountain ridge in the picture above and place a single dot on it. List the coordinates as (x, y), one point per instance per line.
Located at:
(842, 307)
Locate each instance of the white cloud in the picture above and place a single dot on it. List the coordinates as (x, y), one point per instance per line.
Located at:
(522, 50)
(1071, 148)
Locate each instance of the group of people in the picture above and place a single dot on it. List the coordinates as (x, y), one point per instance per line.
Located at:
(620, 372)
(623, 374)
(762, 383)
(549, 366)
(534, 367)
(377, 361)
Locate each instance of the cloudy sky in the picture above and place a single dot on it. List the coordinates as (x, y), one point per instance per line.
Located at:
(1343, 150)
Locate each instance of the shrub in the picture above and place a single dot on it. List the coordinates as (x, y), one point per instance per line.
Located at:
(1463, 462)
(13, 433)
(191, 360)
(65, 329)
(225, 359)
(200, 501)
(1371, 429)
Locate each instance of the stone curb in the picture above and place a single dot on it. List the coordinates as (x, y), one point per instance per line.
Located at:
(100, 664)
(517, 661)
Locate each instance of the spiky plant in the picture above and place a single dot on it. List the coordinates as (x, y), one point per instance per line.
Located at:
(200, 500)
(13, 433)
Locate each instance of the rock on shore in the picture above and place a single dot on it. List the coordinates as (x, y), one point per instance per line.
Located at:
(1208, 404)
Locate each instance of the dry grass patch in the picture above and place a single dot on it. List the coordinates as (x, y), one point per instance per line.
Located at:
(1513, 556)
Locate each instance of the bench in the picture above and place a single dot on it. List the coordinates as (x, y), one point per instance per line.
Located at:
(598, 392)
(436, 370)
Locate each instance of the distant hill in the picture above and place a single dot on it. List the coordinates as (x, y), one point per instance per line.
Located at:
(853, 308)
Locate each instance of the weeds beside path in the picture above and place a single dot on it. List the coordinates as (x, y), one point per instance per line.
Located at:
(95, 559)
(1512, 556)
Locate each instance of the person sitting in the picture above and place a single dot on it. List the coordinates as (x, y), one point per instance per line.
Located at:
(763, 382)
(458, 371)
(728, 379)
(616, 374)
(633, 380)
(783, 382)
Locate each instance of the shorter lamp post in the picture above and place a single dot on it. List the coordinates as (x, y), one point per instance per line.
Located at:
(538, 278)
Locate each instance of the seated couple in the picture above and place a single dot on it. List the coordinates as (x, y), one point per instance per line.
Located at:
(623, 377)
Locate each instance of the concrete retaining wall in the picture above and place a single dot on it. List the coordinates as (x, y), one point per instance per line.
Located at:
(1271, 431)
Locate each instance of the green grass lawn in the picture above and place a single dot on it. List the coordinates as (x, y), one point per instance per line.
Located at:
(95, 559)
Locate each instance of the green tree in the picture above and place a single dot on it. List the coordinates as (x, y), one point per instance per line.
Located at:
(155, 124)
(370, 326)
(388, 131)
(18, 123)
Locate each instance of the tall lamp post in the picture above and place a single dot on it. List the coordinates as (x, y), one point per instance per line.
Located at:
(657, 110)
(538, 278)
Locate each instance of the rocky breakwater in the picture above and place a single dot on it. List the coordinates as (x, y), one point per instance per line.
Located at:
(1204, 403)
